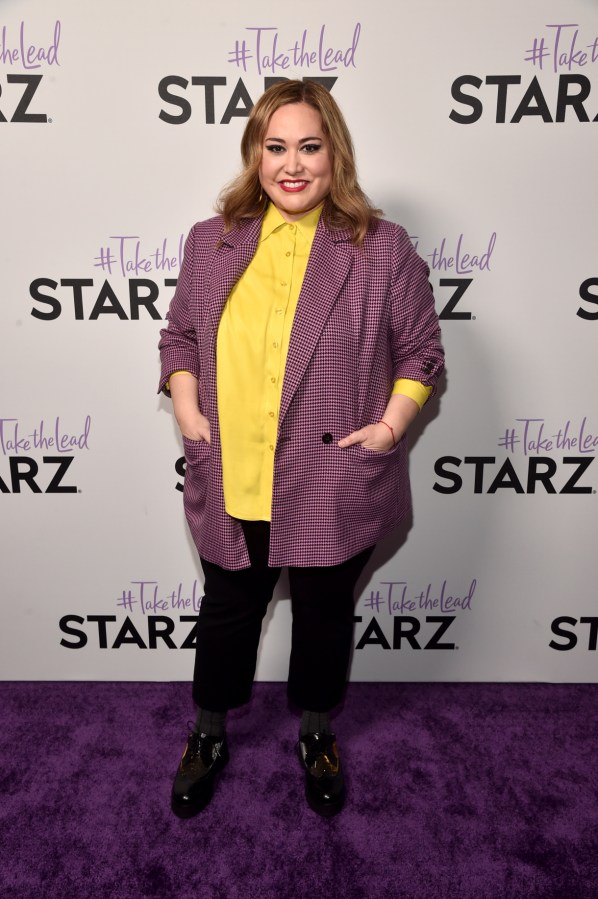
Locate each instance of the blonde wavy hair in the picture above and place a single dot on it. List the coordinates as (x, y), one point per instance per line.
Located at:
(346, 206)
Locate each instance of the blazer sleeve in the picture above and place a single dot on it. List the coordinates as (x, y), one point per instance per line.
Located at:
(178, 342)
(416, 349)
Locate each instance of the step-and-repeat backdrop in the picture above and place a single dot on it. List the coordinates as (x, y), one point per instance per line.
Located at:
(476, 127)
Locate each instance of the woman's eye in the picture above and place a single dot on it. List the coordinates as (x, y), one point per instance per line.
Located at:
(311, 148)
(274, 148)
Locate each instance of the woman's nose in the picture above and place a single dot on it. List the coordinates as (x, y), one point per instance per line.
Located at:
(293, 163)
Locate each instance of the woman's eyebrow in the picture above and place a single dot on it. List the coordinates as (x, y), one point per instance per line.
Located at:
(281, 140)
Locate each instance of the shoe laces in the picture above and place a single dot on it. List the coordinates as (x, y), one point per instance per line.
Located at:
(321, 755)
(196, 741)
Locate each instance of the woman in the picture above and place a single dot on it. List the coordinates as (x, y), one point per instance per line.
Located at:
(302, 341)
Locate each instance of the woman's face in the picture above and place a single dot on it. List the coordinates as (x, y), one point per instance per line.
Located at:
(296, 166)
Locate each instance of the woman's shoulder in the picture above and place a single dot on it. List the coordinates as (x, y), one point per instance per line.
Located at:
(385, 228)
(204, 238)
(383, 232)
(212, 227)
(211, 232)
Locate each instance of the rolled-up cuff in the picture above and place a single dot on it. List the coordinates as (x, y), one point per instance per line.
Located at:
(413, 389)
(168, 372)
(181, 371)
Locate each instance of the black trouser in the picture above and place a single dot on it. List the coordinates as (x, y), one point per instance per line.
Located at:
(230, 622)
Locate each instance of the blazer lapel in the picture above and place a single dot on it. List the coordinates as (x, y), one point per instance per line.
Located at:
(229, 262)
(329, 264)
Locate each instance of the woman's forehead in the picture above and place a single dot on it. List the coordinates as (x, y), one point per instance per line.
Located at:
(295, 117)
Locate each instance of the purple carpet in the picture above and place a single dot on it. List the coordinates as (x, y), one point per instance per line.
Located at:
(463, 791)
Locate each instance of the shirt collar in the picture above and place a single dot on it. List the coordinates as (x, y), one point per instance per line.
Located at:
(306, 226)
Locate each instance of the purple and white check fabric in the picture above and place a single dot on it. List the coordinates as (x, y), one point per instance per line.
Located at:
(365, 317)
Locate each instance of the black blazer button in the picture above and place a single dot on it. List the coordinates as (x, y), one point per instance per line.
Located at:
(327, 438)
(428, 367)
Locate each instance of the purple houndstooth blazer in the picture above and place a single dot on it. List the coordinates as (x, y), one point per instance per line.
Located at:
(365, 317)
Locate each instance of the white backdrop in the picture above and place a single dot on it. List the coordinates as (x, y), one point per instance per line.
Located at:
(475, 126)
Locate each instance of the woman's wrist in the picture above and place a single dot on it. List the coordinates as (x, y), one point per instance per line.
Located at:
(194, 426)
(186, 411)
(399, 413)
(391, 429)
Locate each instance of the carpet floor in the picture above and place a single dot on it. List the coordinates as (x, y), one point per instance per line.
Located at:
(455, 791)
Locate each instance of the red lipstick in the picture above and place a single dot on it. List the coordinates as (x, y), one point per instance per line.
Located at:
(292, 187)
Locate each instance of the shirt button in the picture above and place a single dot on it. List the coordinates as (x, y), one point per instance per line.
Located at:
(273, 380)
(288, 253)
(327, 438)
(279, 311)
(271, 446)
(275, 345)
(283, 283)
(291, 227)
(271, 414)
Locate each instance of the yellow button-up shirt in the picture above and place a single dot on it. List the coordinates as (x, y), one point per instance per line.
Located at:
(251, 353)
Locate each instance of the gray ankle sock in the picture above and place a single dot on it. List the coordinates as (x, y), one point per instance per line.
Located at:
(315, 723)
(211, 724)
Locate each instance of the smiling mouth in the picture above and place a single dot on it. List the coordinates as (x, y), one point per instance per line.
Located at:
(293, 186)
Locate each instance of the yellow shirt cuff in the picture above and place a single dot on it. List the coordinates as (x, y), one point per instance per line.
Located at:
(413, 389)
(182, 371)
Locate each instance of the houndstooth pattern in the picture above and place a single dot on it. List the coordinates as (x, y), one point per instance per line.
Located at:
(365, 317)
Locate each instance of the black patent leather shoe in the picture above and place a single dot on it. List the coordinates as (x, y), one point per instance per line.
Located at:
(204, 757)
(324, 779)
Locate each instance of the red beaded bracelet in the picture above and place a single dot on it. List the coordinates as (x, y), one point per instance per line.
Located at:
(394, 442)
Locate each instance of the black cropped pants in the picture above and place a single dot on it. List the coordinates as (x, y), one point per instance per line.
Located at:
(230, 622)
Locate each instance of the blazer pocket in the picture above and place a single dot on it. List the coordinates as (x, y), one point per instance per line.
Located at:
(197, 473)
(196, 451)
(373, 484)
(373, 455)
